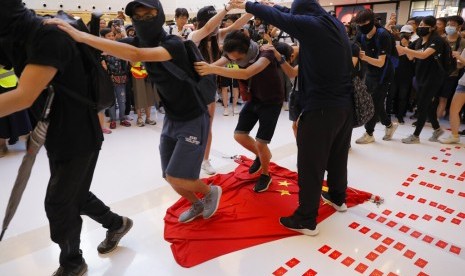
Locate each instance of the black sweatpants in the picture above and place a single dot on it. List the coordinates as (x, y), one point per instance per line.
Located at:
(378, 92)
(323, 140)
(68, 197)
(427, 103)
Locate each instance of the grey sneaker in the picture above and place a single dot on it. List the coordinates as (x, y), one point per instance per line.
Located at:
(78, 271)
(365, 139)
(150, 122)
(327, 199)
(436, 134)
(211, 201)
(193, 212)
(412, 139)
(389, 132)
(113, 237)
(450, 140)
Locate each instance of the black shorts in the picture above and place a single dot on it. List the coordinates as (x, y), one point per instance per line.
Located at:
(266, 115)
(227, 82)
(448, 88)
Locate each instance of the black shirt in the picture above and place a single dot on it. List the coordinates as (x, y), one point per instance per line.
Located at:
(74, 127)
(428, 70)
(378, 45)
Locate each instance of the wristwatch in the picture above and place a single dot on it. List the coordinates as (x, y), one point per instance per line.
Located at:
(282, 60)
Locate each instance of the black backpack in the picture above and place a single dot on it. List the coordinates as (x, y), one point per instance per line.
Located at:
(446, 62)
(101, 86)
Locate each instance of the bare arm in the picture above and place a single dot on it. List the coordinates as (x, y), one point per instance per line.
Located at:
(204, 68)
(378, 62)
(210, 26)
(221, 62)
(355, 60)
(236, 25)
(32, 82)
(415, 54)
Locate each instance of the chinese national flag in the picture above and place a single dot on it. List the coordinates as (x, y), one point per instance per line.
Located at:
(244, 218)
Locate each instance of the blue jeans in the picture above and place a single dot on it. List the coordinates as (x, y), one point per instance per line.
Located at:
(120, 94)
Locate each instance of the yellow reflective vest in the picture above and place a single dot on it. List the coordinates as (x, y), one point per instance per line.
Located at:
(7, 78)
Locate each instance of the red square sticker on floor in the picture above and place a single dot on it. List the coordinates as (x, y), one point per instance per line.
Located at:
(434, 158)
(372, 256)
(449, 210)
(381, 219)
(450, 191)
(401, 194)
(428, 239)
(441, 244)
(399, 246)
(372, 215)
(432, 171)
(409, 254)
(443, 174)
(292, 262)
(422, 200)
(410, 179)
(460, 178)
(461, 215)
(376, 273)
(452, 176)
(421, 168)
(348, 261)
(413, 217)
(354, 225)
(427, 217)
(440, 218)
(442, 207)
(422, 274)
(280, 271)
(364, 230)
(400, 215)
(421, 263)
(458, 164)
(445, 161)
(376, 236)
(456, 221)
(388, 241)
(392, 274)
(433, 204)
(404, 229)
(310, 272)
(391, 223)
(406, 184)
(448, 154)
(414, 175)
(324, 249)
(381, 249)
(455, 249)
(387, 212)
(437, 188)
(335, 254)
(462, 194)
(423, 183)
(429, 185)
(416, 234)
(410, 197)
(361, 268)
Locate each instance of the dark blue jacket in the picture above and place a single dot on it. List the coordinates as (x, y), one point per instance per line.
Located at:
(325, 59)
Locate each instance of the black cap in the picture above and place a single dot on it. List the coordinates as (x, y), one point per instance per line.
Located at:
(206, 13)
(131, 5)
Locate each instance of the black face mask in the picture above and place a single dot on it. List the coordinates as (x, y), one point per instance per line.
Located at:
(150, 32)
(423, 31)
(365, 29)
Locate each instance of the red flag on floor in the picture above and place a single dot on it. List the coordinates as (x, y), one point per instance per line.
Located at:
(244, 218)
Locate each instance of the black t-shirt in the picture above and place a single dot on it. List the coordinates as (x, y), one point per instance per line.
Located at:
(74, 127)
(378, 45)
(357, 69)
(177, 96)
(428, 70)
(267, 86)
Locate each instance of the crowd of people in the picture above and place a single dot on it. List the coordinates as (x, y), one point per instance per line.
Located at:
(269, 62)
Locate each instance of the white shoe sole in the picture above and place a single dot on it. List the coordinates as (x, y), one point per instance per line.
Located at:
(342, 208)
(305, 231)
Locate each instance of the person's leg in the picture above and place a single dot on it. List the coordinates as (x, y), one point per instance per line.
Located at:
(426, 107)
(3, 147)
(121, 98)
(224, 97)
(206, 165)
(247, 120)
(372, 85)
(235, 92)
(441, 111)
(457, 103)
(403, 95)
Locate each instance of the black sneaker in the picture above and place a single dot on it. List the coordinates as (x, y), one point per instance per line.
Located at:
(262, 184)
(78, 271)
(113, 237)
(462, 133)
(327, 199)
(256, 166)
(293, 225)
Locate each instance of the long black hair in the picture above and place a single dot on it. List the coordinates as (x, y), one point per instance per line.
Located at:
(203, 46)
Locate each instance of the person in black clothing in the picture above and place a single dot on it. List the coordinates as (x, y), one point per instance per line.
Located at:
(430, 77)
(376, 46)
(74, 136)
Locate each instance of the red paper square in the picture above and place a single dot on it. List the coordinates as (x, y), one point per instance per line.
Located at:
(448, 148)
(348, 261)
(441, 244)
(404, 229)
(422, 274)
(421, 263)
(462, 194)
(405, 184)
(391, 223)
(423, 183)
(361, 268)
(372, 256)
(413, 217)
(445, 161)
(410, 179)
(364, 230)
(414, 175)
(376, 236)
(324, 249)
(437, 188)
(442, 207)
(280, 271)
(388, 241)
(292, 262)
(448, 154)
(310, 272)
(335, 254)
(449, 210)
(381, 219)
(427, 217)
(440, 218)
(443, 150)
(443, 174)
(409, 254)
(433, 204)
(387, 212)
(392, 274)
(455, 249)
(416, 234)
(422, 200)
(421, 168)
(432, 171)
(381, 249)
(376, 273)
(354, 225)
(456, 221)
(450, 191)
(410, 197)
(401, 194)
(434, 158)
(461, 215)
(452, 176)
(460, 178)
(372, 215)
(458, 164)
(399, 246)
(429, 185)
(428, 239)
(400, 215)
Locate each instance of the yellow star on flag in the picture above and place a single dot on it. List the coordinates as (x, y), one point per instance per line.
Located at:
(284, 183)
(284, 192)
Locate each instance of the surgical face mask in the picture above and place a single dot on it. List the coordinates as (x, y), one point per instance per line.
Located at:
(423, 31)
(365, 29)
(451, 30)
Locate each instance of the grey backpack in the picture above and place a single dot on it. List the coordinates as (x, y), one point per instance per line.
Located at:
(364, 108)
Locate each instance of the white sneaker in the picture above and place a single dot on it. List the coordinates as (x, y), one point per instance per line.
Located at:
(436, 134)
(286, 106)
(389, 132)
(412, 139)
(450, 140)
(226, 112)
(207, 167)
(236, 111)
(365, 139)
(161, 109)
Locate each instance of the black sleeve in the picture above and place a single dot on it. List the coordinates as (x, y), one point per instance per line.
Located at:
(174, 46)
(355, 50)
(384, 43)
(437, 43)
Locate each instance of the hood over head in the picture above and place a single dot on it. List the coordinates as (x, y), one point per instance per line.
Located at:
(306, 7)
(150, 32)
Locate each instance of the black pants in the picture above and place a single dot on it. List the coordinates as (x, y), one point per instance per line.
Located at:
(399, 96)
(323, 140)
(379, 92)
(427, 104)
(68, 197)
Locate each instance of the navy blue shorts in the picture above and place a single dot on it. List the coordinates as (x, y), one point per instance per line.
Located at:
(182, 146)
(266, 115)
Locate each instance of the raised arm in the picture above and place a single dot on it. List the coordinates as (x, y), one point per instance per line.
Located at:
(214, 22)
(204, 68)
(237, 25)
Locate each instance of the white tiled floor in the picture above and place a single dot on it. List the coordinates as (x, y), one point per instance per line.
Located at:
(128, 178)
